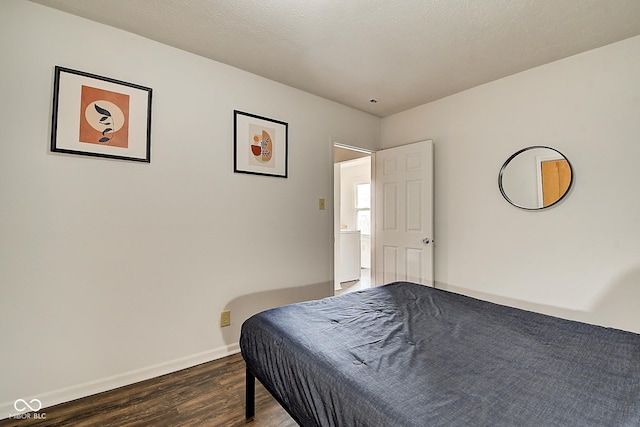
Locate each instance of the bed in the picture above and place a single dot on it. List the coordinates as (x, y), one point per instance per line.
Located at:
(407, 355)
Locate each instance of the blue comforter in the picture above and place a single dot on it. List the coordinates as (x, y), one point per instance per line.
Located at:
(409, 355)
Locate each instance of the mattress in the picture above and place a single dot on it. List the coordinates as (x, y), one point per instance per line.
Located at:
(404, 354)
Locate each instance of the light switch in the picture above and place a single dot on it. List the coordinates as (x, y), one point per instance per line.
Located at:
(321, 204)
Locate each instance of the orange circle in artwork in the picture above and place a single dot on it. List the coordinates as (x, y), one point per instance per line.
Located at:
(256, 138)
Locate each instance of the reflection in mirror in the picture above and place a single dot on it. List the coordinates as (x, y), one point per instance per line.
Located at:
(535, 178)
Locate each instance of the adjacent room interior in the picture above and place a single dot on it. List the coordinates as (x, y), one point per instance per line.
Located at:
(352, 219)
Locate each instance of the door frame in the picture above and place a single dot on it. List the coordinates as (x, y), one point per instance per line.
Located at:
(336, 208)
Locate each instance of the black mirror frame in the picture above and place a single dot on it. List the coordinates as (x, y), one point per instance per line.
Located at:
(506, 163)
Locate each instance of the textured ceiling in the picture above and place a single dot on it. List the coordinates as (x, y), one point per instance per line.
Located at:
(402, 53)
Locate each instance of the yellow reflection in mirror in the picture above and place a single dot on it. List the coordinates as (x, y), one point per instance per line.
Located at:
(556, 177)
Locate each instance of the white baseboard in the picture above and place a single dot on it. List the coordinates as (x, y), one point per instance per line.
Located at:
(55, 397)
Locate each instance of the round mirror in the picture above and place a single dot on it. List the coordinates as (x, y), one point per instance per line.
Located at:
(535, 178)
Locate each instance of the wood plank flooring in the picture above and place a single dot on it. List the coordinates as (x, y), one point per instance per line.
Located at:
(211, 394)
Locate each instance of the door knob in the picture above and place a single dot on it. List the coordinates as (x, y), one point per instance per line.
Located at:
(426, 240)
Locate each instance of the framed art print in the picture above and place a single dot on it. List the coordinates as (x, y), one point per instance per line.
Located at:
(99, 116)
(260, 145)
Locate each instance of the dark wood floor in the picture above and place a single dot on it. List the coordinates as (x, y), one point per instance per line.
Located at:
(211, 394)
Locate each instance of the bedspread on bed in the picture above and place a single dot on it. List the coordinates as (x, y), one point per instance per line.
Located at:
(409, 355)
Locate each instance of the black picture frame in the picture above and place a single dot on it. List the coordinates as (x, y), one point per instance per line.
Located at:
(100, 116)
(260, 145)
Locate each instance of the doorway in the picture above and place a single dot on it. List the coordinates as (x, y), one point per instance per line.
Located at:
(400, 205)
(352, 219)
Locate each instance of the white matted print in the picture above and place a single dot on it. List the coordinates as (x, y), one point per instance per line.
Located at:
(99, 116)
(260, 145)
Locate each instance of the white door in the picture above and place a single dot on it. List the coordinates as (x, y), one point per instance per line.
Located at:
(404, 214)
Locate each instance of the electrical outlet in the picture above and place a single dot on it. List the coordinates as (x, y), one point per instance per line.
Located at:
(225, 318)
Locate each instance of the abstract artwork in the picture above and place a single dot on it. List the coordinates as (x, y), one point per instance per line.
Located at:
(260, 145)
(100, 116)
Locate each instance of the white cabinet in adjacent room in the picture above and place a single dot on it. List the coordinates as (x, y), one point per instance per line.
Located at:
(349, 256)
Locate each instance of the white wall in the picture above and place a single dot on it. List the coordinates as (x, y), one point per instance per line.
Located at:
(113, 271)
(579, 259)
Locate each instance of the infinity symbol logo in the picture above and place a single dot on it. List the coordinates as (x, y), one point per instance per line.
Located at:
(21, 405)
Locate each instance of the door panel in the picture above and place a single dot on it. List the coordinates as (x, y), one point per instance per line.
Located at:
(414, 265)
(390, 264)
(414, 206)
(390, 203)
(404, 214)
